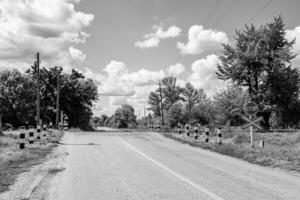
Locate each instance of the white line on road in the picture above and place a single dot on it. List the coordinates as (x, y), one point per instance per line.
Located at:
(191, 183)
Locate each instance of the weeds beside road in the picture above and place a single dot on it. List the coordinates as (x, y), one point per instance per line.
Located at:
(281, 150)
(14, 161)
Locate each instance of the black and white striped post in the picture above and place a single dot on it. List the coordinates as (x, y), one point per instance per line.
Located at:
(22, 140)
(262, 143)
(187, 129)
(31, 136)
(219, 136)
(196, 130)
(38, 132)
(207, 134)
(50, 125)
(179, 128)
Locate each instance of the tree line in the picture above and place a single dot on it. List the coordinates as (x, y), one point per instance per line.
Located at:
(258, 66)
(18, 97)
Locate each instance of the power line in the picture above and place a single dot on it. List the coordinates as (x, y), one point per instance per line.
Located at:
(259, 11)
(225, 13)
(212, 10)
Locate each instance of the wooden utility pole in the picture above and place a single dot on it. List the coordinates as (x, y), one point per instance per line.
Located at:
(37, 67)
(57, 100)
(161, 105)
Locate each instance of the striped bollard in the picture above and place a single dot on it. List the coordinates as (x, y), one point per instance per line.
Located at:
(179, 128)
(38, 132)
(219, 136)
(187, 127)
(262, 143)
(31, 137)
(22, 140)
(196, 132)
(207, 134)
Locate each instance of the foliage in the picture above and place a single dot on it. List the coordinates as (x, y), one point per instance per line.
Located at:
(124, 117)
(260, 61)
(192, 97)
(17, 102)
(171, 92)
(204, 112)
(175, 115)
(230, 104)
(154, 102)
(18, 96)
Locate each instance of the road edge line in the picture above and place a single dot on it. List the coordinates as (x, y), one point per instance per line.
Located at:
(189, 182)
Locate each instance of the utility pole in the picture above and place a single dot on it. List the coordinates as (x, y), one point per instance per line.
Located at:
(62, 120)
(161, 105)
(144, 112)
(37, 67)
(57, 100)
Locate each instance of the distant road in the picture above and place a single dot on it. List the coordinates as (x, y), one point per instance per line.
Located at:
(147, 166)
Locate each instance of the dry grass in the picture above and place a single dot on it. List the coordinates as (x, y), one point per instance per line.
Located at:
(14, 161)
(281, 149)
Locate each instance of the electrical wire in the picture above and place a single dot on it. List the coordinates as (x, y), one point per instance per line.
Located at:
(225, 13)
(259, 11)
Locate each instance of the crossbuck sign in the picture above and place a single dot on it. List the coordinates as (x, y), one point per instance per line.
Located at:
(251, 109)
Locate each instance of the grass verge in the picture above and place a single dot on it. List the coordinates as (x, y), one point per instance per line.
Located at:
(14, 161)
(281, 150)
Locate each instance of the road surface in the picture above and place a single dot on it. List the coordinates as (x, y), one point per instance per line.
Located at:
(147, 166)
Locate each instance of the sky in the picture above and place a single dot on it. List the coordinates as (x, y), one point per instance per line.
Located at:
(127, 46)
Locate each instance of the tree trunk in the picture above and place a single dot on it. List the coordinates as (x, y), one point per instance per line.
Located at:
(1, 129)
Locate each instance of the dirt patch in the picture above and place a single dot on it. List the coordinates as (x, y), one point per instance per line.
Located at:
(14, 161)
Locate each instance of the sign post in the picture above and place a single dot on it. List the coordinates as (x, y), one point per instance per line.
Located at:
(251, 109)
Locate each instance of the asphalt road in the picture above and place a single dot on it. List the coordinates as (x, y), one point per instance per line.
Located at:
(147, 166)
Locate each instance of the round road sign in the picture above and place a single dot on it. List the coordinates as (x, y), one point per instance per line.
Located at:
(251, 108)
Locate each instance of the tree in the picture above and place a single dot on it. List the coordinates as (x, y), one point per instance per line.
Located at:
(17, 93)
(192, 97)
(171, 92)
(229, 104)
(204, 112)
(154, 102)
(175, 115)
(260, 61)
(124, 117)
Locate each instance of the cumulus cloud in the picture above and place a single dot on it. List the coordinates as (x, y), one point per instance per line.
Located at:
(175, 70)
(200, 40)
(153, 39)
(204, 74)
(53, 28)
(295, 34)
(119, 81)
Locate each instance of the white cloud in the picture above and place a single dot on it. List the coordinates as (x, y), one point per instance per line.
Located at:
(53, 28)
(204, 74)
(148, 43)
(153, 39)
(175, 70)
(200, 40)
(295, 34)
(120, 82)
(76, 54)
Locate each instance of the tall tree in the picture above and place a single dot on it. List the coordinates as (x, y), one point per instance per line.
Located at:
(260, 61)
(192, 96)
(154, 102)
(171, 92)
